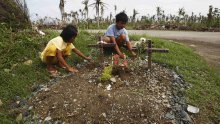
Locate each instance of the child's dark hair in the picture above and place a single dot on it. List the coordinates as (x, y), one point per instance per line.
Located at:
(68, 33)
(121, 17)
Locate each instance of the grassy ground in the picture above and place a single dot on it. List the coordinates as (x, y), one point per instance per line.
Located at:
(16, 77)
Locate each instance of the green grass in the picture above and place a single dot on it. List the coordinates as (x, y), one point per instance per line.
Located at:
(18, 47)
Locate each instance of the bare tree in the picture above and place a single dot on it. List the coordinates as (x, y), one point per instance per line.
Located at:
(86, 8)
(134, 15)
(159, 13)
(110, 17)
(115, 8)
(97, 5)
(102, 11)
(61, 6)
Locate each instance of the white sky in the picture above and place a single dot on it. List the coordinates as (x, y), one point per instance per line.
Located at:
(50, 8)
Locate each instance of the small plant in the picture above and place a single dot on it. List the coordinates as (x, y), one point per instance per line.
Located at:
(106, 75)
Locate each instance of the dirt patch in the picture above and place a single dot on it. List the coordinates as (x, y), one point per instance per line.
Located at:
(209, 51)
(142, 97)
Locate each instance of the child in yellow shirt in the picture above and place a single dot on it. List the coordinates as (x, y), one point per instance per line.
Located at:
(59, 48)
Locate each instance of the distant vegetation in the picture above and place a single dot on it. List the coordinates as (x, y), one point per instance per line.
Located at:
(161, 21)
(16, 15)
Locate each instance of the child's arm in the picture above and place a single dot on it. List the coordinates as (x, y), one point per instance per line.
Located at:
(130, 48)
(63, 62)
(79, 53)
(116, 47)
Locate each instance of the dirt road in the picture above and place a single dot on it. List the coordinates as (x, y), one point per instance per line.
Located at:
(206, 44)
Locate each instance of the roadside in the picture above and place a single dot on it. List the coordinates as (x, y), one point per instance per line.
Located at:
(209, 51)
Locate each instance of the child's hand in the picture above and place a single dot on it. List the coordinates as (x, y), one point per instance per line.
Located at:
(122, 56)
(73, 70)
(88, 58)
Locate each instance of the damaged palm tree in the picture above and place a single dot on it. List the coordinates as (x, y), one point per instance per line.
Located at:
(61, 6)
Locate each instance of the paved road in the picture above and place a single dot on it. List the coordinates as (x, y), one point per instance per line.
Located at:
(206, 44)
(210, 37)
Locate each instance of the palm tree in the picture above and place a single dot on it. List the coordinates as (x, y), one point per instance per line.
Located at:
(192, 17)
(158, 13)
(61, 6)
(97, 4)
(81, 13)
(115, 8)
(210, 16)
(102, 11)
(110, 17)
(74, 17)
(86, 9)
(134, 15)
(181, 11)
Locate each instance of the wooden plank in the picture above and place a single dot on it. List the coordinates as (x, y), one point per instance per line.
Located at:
(149, 53)
(159, 50)
(102, 45)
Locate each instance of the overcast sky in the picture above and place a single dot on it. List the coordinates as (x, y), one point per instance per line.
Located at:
(50, 8)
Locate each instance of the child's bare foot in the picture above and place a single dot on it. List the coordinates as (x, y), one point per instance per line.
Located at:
(52, 70)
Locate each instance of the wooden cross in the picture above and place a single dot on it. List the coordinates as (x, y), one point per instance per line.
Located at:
(149, 50)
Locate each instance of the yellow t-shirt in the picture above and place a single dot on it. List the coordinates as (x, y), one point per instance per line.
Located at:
(59, 44)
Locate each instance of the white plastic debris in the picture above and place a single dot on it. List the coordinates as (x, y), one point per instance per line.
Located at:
(41, 32)
(46, 89)
(101, 42)
(99, 85)
(113, 80)
(192, 109)
(109, 87)
(104, 115)
(47, 118)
